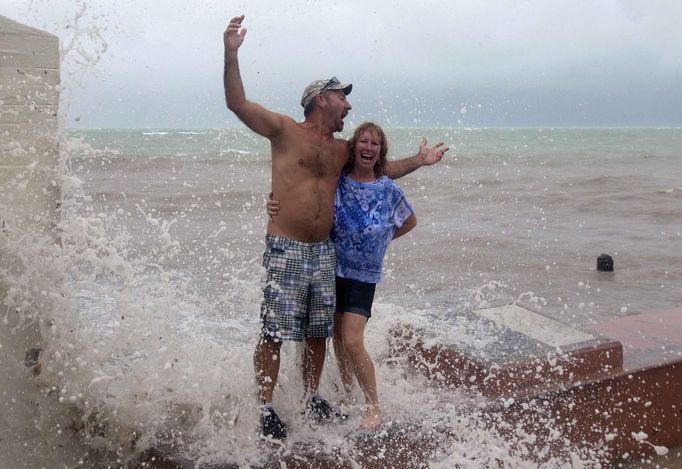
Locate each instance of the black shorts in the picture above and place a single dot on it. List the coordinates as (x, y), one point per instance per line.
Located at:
(354, 296)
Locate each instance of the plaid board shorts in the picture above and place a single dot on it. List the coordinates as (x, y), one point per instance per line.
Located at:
(299, 292)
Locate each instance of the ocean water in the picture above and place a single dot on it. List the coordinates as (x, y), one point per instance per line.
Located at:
(529, 210)
(148, 310)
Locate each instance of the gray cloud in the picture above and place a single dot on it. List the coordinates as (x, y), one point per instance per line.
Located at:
(506, 62)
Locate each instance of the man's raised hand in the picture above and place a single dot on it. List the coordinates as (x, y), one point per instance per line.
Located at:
(234, 34)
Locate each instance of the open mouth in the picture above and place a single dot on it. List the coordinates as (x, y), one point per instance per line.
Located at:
(366, 157)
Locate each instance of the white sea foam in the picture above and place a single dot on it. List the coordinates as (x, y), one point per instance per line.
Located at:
(238, 151)
(134, 357)
(224, 314)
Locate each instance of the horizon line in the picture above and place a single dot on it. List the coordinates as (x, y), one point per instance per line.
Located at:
(402, 127)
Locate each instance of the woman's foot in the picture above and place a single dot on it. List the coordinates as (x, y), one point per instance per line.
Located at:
(372, 418)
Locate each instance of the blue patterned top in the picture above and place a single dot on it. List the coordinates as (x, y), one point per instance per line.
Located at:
(366, 215)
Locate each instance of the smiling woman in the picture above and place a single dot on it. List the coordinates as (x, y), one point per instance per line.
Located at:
(370, 143)
(370, 211)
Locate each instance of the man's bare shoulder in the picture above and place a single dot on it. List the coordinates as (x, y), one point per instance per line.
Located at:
(288, 129)
(307, 132)
(292, 126)
(343, 155)
(288, 123)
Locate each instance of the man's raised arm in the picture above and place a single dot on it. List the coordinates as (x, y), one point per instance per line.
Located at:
(256, 117)
(426, 157)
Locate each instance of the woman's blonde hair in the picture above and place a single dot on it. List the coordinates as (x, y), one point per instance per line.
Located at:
(380, 166)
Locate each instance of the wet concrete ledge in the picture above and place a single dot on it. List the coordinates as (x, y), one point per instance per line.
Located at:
(397, 444)
(514, 365)
(619, 393)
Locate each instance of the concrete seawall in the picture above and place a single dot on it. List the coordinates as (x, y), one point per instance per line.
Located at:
(29, 212)
(29, 100)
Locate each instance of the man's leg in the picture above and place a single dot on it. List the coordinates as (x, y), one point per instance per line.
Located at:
(266, 361)
(319, 324)
(314, 351)
(313, 359)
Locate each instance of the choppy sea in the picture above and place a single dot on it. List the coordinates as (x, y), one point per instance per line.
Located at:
(149, 308)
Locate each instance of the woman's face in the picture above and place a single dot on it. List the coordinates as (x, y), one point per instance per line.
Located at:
(367, 149)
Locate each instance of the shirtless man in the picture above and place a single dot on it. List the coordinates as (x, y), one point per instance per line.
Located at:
(299, 299)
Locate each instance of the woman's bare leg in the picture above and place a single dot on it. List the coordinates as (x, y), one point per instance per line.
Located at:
(353, 330)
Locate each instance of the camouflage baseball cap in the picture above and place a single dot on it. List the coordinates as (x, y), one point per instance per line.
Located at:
(319, 86)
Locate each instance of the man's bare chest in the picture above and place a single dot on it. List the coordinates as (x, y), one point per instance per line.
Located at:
(319, 162)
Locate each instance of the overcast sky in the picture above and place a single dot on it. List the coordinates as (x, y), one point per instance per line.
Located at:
(154, 63)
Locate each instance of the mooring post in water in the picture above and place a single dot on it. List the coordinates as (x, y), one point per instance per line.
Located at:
(605, 263)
